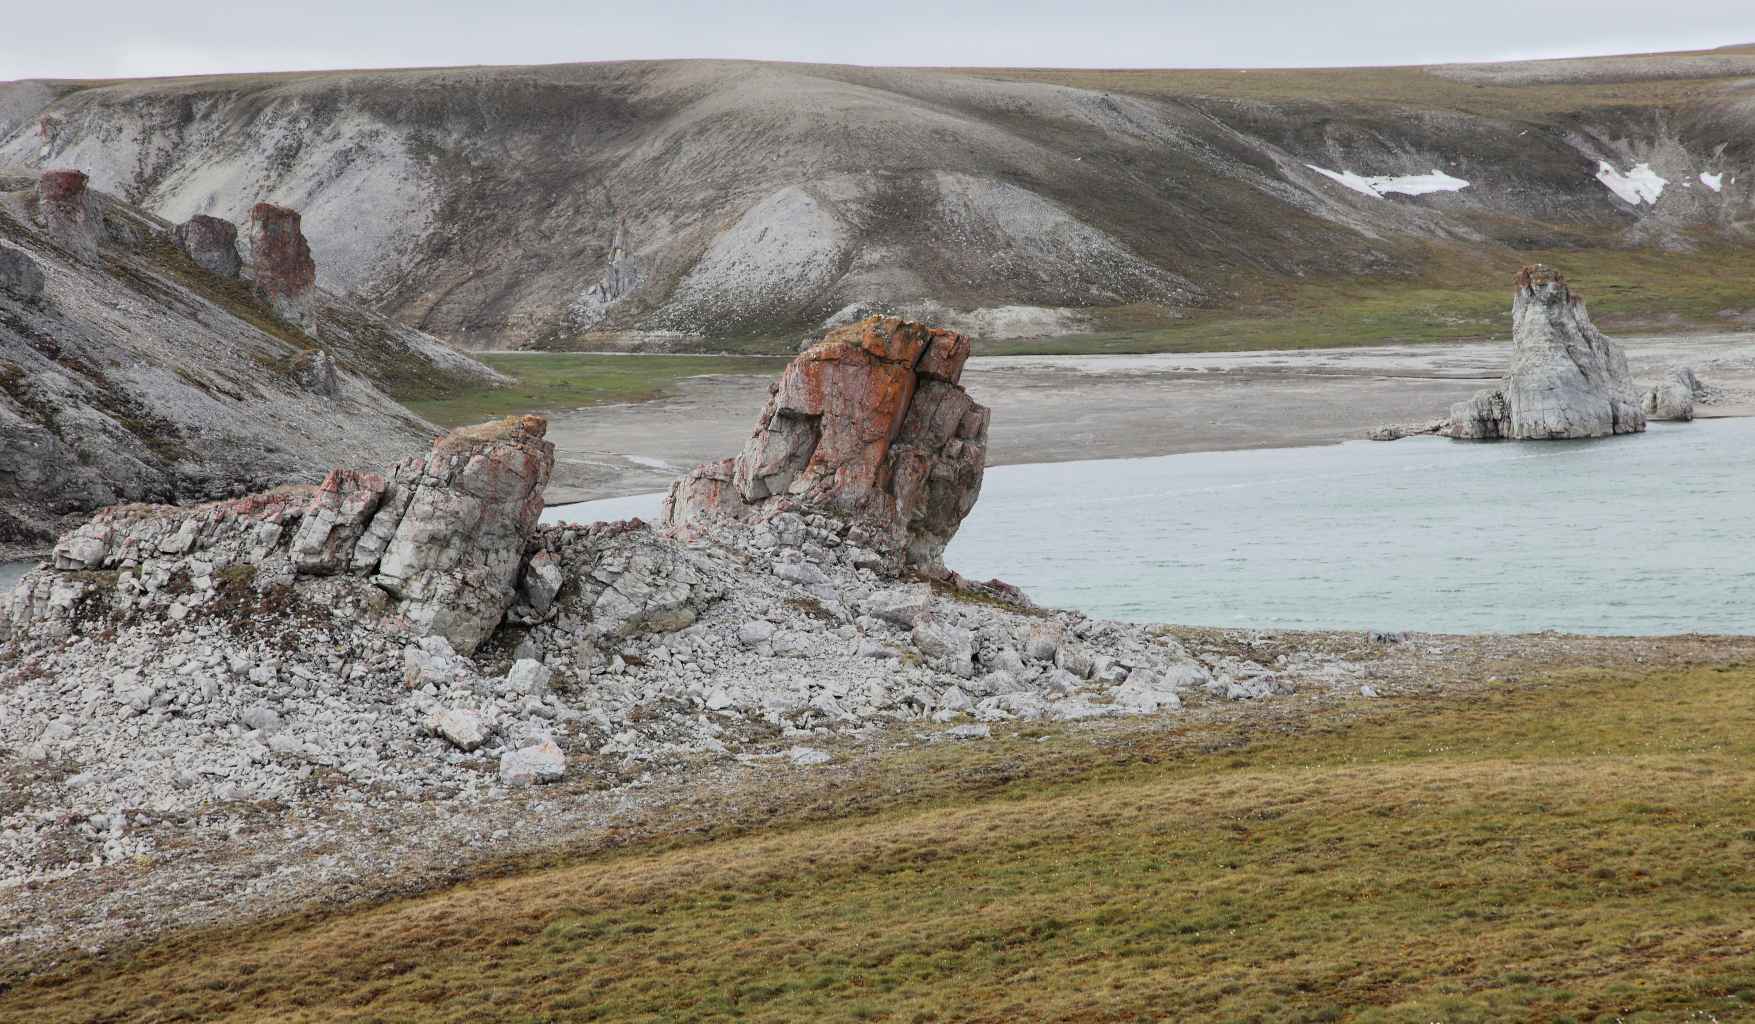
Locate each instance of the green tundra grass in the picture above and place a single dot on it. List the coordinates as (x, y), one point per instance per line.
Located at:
(557, 382)
(1579, 847)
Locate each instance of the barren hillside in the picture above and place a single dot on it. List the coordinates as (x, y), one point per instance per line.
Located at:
(128, 372)
(552, 205)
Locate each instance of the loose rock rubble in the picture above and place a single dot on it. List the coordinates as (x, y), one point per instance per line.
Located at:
(396, 641)
(1567, 379)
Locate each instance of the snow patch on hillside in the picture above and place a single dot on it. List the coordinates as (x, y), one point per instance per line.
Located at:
(1716, 182)
(1380, 185)
(1641, 184)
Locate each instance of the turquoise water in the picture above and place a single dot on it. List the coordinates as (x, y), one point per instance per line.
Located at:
(1649, 534)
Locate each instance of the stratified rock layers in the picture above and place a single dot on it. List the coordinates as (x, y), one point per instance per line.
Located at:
(457, 520)
(869, 424)
(444, 536)
(1567, 379)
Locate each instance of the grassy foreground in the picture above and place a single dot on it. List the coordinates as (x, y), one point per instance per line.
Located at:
(1578, 848)
(549, 382)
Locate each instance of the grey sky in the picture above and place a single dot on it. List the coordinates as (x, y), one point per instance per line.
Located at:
(104, 38)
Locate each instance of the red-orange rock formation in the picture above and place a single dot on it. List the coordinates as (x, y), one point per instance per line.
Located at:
(869, 424)
(68, 211)
(280, 260)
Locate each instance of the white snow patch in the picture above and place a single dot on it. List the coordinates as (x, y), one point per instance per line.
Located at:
(1641, 184)
(1716, 182)
(1378, 186)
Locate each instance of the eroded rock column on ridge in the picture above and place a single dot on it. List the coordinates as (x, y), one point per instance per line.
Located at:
(443, 536)
(67, 210)
(869, 425)
(281, 264)
(1567, 380)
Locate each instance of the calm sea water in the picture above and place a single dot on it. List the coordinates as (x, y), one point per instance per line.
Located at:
(1645, 534)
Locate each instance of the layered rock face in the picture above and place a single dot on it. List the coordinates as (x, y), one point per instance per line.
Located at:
(68, 212)
(1673, 398)
(212, 243)
(1567, 380)
(444, 536)
(868, 425)
(454, 524)
(281, 264)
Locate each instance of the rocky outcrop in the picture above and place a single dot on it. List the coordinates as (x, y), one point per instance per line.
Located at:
(868, 425)
(456, 521)
(212, 243)
(1673, 398)
(139, 378)
(1566, 381)
(67, 211)
(20, 277)
(315, 372)
(444, 536)
(281, 264)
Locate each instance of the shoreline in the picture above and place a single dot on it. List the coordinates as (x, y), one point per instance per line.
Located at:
(1049, 409)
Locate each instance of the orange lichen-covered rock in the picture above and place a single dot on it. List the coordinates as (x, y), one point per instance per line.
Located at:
(868, 424)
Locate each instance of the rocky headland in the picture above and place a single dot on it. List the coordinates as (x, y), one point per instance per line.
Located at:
(413, 642)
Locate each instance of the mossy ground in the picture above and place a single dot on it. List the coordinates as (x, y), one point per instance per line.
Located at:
(1576, 847)
(555, 382)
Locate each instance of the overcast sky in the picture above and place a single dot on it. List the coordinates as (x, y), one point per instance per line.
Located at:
(112, 38)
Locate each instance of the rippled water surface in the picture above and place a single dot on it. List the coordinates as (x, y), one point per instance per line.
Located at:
(1653, 534)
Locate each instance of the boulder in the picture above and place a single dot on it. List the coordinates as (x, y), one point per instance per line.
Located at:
(285, 276)
(314, 372)
(463, 728)
(947, 648)
(868, 424)
(1567, 380)
(453, 526)
(1673, 398)
(534, 765)
(20, 277)
(212, 243)
(67, 210)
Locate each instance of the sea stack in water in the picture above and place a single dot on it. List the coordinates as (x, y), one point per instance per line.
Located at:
(280, 261)
(869, 425)
(1567, 380)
